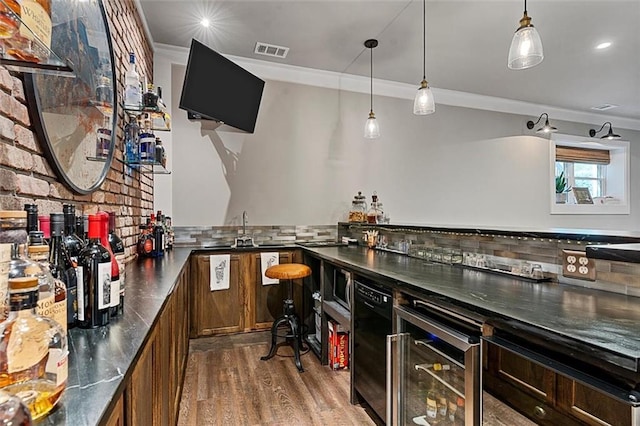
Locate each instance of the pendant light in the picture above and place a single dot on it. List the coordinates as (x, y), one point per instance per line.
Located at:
(424, 103)
(610, 135)
(547, 128)
(526, 46)
(371, 129)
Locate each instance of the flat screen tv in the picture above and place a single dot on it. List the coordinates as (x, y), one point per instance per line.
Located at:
(217, 89)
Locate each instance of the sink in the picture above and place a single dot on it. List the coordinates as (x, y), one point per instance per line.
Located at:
(273, 244)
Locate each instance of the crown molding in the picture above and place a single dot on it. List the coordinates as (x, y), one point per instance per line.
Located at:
(145, 25)
(360, 84)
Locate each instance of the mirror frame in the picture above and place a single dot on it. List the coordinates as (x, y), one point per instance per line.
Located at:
(34, 106)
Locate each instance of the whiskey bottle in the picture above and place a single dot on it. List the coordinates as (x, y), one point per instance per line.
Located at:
(115, 270)
(33, 349)
(117, 247)
(36, 26)
(9, 18)
(13, 412)
(132, 94)
(149, 98)
(145, 246)
(94, 293)
(62, 268)
(73, 245)
(103, 139)
(52, 293)
(12, 232)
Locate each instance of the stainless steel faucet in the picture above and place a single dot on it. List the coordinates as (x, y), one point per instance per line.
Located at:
(245, 219)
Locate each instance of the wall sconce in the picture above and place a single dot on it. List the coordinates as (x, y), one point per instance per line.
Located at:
(547, 128)
(610, 135)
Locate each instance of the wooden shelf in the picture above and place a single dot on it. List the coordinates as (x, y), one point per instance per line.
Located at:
(338, 313)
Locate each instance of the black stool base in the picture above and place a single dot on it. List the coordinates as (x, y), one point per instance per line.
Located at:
(290, 319)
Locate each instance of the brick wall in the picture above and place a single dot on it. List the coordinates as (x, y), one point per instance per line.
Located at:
(25, 176)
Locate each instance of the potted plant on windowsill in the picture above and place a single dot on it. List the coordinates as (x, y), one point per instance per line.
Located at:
(561, 189)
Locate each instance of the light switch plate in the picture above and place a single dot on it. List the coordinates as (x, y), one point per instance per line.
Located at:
(576, 264)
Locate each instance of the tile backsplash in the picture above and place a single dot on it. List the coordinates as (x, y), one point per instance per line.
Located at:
(203, 236)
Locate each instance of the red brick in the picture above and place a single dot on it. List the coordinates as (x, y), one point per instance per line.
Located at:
(58, 190)
(25, 137)
(6, 126)
(8, 180)
(20, 112)
(41, 166)
(15, 157)
(6, 81)
(32, 186)
(97, 197)
(12, 202)
(18, 89)
(46, 207)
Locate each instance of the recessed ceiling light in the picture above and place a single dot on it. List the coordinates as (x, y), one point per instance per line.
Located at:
(603, 45)
(205, 22)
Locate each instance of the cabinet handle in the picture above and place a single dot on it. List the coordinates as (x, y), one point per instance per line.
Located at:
(539, 412)
(390, 339)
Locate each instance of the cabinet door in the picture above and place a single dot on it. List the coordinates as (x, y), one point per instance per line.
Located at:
(590, 406)
(162, 367)
(265, 302)
(219, 311)
(140, 392)
(116, 418)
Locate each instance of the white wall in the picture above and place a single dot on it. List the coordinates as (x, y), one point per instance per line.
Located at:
(308, 158)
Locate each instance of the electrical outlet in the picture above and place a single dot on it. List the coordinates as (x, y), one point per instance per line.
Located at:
(576, 264)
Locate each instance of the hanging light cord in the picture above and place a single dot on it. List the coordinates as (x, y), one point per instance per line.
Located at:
(424, 40)
(525, 7)
(371, 91)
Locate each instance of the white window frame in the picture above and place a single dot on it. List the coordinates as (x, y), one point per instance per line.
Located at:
(569, 173)
(621, 159)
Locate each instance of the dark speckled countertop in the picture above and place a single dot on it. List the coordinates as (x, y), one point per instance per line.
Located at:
(101, 359)
(607, 322)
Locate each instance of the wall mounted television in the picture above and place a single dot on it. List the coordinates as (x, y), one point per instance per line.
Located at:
(216, 88)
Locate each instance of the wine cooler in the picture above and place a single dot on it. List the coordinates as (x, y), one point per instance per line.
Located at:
(433, 371)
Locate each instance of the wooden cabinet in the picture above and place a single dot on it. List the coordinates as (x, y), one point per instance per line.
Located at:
(116, 418)
(546, 396)
(247, 305)
(153, 393)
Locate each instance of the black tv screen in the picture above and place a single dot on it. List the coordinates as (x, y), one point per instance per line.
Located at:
(217, 89)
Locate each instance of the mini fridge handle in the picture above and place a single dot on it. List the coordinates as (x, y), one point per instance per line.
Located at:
(390, 339)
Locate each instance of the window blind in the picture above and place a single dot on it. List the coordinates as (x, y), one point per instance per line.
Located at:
(570, 154)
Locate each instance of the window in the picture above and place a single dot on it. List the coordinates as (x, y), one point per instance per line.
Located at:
(601, 166)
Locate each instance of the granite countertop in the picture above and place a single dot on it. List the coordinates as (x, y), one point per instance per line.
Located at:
(617, 252)
(100, 359)
(608, 322)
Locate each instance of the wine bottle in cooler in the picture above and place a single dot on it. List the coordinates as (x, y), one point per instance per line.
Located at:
(94, 293)
(115, 270)
(117, 247)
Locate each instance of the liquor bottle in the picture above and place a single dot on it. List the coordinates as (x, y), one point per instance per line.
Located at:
(36, 23)
(132, 141)
(170, 238)
(13, 231)
(85, 229)
(147, 142)
(115, 270)
(63, 268)
(94, 293)
(33, 349)
(52, 292)
(36, 238)
(160, 154)
(158, 237)
(9, 18)
(145, 246)
(73, 245)
(149, 98)
(32, 217)
(132, 93)
(13, 412)
(117, 247)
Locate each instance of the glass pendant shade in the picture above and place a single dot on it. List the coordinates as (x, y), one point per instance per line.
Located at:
(371, 129)
(526, 46)
(423, 103)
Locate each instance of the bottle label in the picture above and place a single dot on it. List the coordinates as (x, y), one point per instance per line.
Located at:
(57, 365)
(132, 95)
(46, 301)
(21, 355)
(104, 285)
(115, 293)
(37, 20)
(57, 311)
(80, 301)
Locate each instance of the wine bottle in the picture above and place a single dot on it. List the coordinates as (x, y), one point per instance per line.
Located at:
(73, 245)
(62, 267)
(94, 293)
(45, 226)
(115, 270)
(117, 247)
(32, 217)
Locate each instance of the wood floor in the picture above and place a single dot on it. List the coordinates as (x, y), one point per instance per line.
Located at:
(226, 383)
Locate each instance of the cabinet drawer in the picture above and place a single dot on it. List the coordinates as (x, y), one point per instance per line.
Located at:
(591, 406)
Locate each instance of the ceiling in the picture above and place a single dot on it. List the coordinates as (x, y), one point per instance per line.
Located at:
(467, 43)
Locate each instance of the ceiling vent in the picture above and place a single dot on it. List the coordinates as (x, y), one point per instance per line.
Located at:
(604, 107)
(271, 50)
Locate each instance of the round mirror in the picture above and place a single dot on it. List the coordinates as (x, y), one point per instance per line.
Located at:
(74, 117)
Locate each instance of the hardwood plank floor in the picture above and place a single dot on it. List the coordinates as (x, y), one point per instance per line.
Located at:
(226, 383)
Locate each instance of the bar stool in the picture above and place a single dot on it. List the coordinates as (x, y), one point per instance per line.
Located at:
(288, 272)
